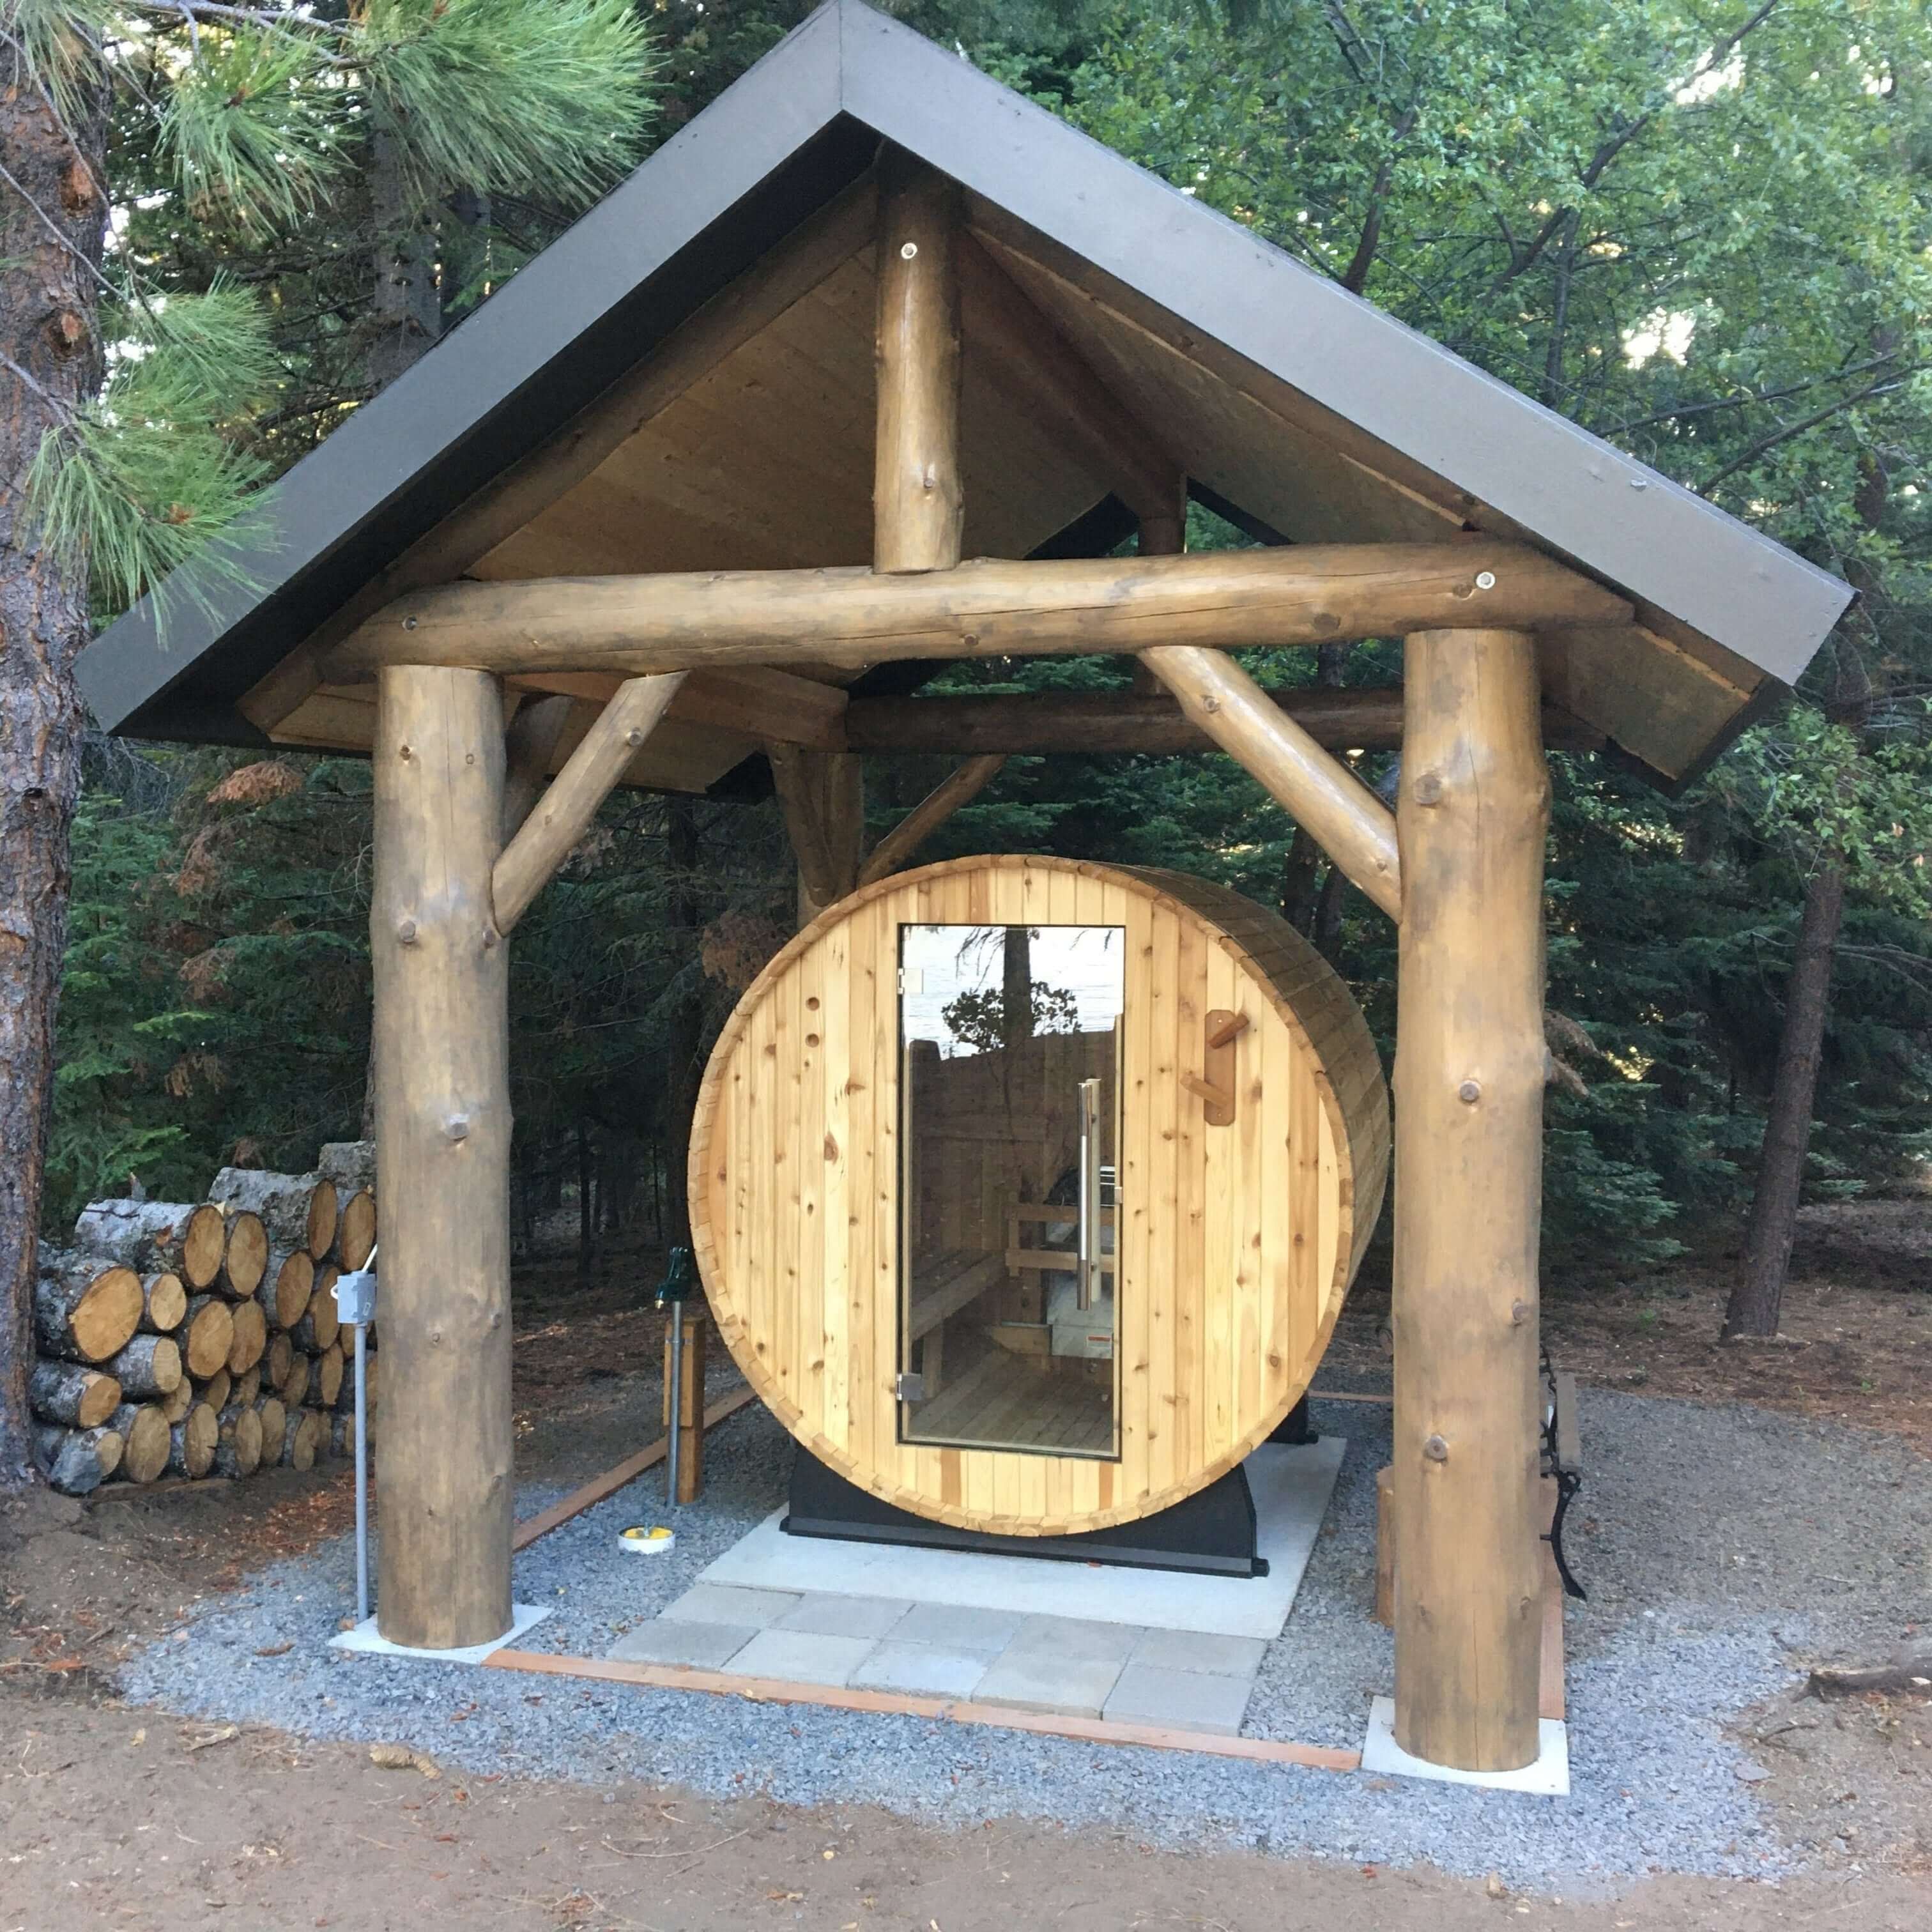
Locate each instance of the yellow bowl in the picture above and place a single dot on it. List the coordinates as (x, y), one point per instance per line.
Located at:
(646, 1539)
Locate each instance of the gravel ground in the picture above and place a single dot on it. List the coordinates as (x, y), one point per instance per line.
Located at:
(1719, 1545)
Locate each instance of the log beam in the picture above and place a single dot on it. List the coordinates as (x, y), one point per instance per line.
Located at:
(1306, 594)
(563, 815)
(960, 788)
(1341, 815)
(918, 504)
(1148, 723)
(441, 1064)
(1473, 813)
(822, 795)
(530, 745)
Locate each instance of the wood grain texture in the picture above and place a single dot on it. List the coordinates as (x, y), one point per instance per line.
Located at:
(561, 816)
(991, 608)
(919, 509)
(1473, 812)
(1235, 1246)
(1338, 812)
(443, 1136)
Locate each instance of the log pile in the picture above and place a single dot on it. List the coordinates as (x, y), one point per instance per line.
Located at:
(190, 1339)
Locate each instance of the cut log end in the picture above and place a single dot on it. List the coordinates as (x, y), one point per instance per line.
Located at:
(87, 1312)
(191, 1442)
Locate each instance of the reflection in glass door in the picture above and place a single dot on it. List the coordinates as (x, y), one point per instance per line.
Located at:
(1009, 1038)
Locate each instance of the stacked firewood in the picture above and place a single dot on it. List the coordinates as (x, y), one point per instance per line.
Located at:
(185, 1339)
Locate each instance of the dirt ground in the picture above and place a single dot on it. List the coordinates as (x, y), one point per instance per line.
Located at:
(113, 1817)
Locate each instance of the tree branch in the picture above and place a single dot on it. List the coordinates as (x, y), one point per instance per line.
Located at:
(1765, 445)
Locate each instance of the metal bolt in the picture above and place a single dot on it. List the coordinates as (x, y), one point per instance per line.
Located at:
(406, 931)
(436, 1338)
(1486, 579)
(1210, 705)
(1436, 1449)
(1519, 1313)
(1427, 789)
(1469, 1093)
(457, 1127)
(469, 757)
(633, 738)
(409, 623)
(908, 251)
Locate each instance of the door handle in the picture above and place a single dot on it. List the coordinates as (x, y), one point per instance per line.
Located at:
(1088, 1276)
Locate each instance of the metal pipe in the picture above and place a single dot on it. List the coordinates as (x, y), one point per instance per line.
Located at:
(361, 1474)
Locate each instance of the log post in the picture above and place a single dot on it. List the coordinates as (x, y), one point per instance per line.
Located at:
(689, 1421)
(442, 1137)
(1472, 816)
(918, 506)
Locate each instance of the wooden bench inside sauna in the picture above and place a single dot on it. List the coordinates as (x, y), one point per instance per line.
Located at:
(1026, 1193)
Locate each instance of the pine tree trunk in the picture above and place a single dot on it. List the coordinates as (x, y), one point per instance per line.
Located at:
(48, 334)
(1758, 1293)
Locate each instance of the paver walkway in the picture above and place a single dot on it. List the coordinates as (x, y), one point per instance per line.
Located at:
(1064, 1665)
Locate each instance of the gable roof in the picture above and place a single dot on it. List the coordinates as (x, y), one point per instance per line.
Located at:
(1301, 407)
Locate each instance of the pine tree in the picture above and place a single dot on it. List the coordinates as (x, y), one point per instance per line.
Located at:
(145, 403)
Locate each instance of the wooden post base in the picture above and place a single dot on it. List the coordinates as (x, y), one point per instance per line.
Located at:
(691, 1420)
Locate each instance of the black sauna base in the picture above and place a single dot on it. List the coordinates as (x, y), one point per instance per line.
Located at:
(1212, 1533)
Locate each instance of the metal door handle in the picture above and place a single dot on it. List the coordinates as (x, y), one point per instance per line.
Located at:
(1088, 1276)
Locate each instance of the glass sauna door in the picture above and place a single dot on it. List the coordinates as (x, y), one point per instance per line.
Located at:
(1009, 1044)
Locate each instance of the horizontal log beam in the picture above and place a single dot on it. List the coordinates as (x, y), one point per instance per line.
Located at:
(1310, 594)
(1149, 723)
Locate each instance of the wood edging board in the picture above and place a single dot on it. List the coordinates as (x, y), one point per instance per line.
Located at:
(776, 1690)
(613, 1479)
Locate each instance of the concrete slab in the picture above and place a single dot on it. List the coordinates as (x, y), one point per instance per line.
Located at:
(1291, 1487)
(802, 1656)
(1068, 1687)
(1186, 1700)
(670, 1640)
(717, 1603)
(1082, 1637)
(835, 1615)
(921, 1670)
(365, 1638)
(958, 1627)
(1548, 1777)
(1201, 1650)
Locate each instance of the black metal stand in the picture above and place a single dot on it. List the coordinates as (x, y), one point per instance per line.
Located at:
(1211, 1534)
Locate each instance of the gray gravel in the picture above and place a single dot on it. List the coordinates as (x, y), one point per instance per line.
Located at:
(1719, 1545)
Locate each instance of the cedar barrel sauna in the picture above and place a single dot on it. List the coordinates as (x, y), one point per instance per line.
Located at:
(1026, 1192)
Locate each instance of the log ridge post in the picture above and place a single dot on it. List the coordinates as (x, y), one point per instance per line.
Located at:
(1472, 816)
(443, 1138)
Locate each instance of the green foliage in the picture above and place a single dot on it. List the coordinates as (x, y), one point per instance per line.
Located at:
(144, 477)
(502, 94)
(245, 141)
(979, 1016)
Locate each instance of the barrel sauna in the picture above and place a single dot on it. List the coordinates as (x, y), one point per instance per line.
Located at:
(1026, 1192)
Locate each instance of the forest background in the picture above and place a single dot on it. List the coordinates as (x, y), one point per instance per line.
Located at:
(1701, 228)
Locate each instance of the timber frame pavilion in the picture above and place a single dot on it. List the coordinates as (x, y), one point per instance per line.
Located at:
(872, 367)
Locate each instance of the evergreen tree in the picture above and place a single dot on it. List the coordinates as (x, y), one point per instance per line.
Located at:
(335, 149)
